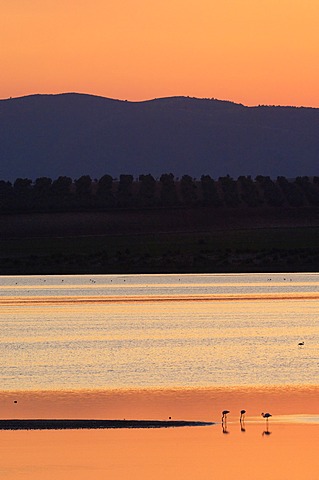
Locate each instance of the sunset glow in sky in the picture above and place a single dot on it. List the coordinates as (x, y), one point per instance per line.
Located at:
(248, 51)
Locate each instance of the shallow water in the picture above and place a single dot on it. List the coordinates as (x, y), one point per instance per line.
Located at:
(200, 453)
(285, 447)
(80, 332)
(159, 285)
(154, 347)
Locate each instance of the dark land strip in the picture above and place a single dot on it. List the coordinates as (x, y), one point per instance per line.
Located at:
(68, 424)
(175, 240)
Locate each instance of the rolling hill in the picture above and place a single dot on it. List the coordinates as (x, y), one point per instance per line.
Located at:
(77, 134)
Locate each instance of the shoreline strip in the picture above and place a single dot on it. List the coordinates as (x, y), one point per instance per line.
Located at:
(75, 424)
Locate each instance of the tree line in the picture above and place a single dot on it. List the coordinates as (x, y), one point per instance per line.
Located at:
(107, 193)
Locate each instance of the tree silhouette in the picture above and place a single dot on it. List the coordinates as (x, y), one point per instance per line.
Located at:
(229, 187)
(61, 191)
(64, 195)
(168, 190)
(6, 196)
(146, 193)
(209, 191)
(125, 192)
(291, 191)
(105, 197)
(188, 190)
(272, 194)
(311, 190)
(23, 193)
(42, 194)
(249, 191)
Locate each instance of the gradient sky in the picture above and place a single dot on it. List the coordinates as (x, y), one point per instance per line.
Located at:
(248, 51)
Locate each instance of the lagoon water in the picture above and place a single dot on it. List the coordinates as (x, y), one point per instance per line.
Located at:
(162, 331)
(154, 347)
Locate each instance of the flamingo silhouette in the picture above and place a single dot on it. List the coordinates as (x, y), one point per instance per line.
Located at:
(242, 420)
(224, 413)
(266, 416)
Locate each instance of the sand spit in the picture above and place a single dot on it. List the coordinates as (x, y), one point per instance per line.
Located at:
(68, 424)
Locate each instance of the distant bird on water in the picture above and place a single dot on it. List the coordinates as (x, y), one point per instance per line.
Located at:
(301, 343)
(224, 413)
(266, 415)
(242, 414)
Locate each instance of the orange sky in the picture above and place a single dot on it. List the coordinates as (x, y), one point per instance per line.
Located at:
(247, 51)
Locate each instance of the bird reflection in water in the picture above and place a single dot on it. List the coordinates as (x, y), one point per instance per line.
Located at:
(224, 426)
(266, 432)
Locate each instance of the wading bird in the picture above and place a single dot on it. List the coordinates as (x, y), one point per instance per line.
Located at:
(266, 416)
(242, 414)
(224, 413)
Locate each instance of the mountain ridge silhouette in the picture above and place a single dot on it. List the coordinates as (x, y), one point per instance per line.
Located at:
(78, 134)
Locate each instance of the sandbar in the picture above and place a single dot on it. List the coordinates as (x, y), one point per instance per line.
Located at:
(74, 424)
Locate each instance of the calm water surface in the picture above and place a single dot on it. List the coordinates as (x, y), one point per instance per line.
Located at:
(141, 331)
(154, 346)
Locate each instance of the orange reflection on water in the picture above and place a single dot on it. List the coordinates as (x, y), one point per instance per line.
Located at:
(251, 450)
(186, 404)
(183, 453)
(87, 300)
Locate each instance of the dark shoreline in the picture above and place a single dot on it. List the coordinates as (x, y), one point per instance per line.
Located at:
(69, 424)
